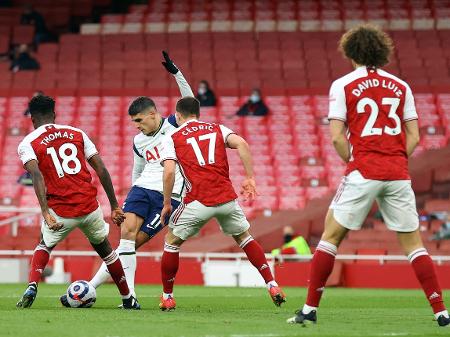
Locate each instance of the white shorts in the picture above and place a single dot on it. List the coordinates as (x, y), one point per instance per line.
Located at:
(187, 220)
(92, 225)
(396, 201)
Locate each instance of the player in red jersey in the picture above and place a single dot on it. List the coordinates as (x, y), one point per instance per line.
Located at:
(199, 149)
(55, 156)
(377, 111)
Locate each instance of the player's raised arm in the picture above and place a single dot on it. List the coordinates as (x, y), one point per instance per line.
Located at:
(185, 88)
(97, 164)
(40, 190)
(234, 141)
(338, 131)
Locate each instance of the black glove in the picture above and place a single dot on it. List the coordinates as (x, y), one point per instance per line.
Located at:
(168, 64)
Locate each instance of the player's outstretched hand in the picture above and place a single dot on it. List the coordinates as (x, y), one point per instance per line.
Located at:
(165, 214)
(168, 64)
(117, 216)
(51, 222)
(248, 189)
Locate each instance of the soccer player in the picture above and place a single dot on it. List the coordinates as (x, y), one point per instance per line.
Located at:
(376, 109)
(55, 156)
(144, 202)
(199, 149)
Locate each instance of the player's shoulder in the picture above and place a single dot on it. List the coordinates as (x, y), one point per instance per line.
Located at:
(169, 124)
(171, 120)
(32, 135)
(345, 80)
(384, 73)
(140, 139)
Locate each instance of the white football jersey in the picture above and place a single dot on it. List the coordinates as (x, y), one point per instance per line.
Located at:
(147, 169)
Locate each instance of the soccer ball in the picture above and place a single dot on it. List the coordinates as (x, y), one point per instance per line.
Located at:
(81, 294)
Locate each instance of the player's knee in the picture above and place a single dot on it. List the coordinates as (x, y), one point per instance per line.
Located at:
(241, 237)
(173, 240)
(128, 231)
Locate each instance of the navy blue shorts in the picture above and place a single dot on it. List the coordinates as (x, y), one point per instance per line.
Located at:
(148, 205)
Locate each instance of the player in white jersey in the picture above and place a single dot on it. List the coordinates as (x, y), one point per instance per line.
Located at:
(144, 202)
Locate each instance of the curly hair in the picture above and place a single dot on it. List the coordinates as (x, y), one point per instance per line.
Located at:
(367, 45)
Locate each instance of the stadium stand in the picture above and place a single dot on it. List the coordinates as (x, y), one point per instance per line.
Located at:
(287, 48)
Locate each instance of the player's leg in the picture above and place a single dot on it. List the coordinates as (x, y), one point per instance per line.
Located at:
(127, 246)
(115, 269)
(234, 223)
(398, 207)
(425, 272)
(93, 226)
(257, 258)
(39, 260)
(169, 269)
(322, 262)
(103, 275)
(349, 208)
(185, 222)
(136, 208)
(41, 256)
(140, 201)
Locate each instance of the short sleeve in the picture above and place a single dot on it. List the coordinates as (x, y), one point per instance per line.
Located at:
(409, 111)
(26, 152)
(89, 148)
(168, 149)
(337, 105)
(226, 132)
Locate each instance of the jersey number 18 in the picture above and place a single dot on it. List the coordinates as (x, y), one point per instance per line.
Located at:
(63, 166)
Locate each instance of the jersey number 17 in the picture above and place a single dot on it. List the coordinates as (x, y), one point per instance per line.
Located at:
(211, 148)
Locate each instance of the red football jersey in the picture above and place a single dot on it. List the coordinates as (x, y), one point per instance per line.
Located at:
(375, 105)
(61, 152)
(200, 150)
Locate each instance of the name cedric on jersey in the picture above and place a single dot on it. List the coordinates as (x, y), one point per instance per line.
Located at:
(55, 135)
(373, 83)
(195, 128)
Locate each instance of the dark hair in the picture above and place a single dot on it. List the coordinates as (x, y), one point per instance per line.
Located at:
(140, 104)
(205, 82)
(188, 106)
(367, 45)
(41, 105)
(257, 90)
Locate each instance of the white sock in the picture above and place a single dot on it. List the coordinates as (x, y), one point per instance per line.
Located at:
(440, 313)
(127, 296)
(307, 309)
(127, 256)
(101, 276)
(272, 284)
(166, 296)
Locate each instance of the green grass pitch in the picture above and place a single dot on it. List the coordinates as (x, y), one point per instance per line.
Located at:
(219, 312)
